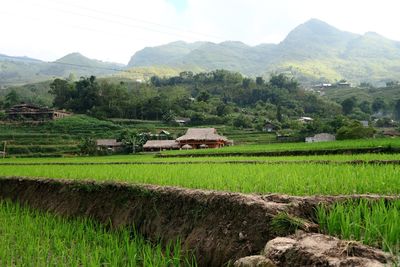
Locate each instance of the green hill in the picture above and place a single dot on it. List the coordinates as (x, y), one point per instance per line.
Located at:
(312, 52)
(22, 70)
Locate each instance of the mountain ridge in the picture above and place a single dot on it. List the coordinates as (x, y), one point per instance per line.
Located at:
(312, 52)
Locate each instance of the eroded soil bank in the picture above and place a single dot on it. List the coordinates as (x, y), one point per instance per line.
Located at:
(219, 227)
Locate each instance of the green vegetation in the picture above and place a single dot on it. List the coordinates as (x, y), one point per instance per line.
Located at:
(249, 149)
(41, 239)
(294, 179)
(375, 223)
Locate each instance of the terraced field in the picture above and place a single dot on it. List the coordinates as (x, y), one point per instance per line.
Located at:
(374, 223)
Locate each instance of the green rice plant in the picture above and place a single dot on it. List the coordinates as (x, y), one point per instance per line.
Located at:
(294, 179)
(32, 238)
(375, 223)
(140, 158)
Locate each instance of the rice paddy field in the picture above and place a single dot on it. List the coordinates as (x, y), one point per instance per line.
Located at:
(42, 239)
(248, 149)
(376, 224)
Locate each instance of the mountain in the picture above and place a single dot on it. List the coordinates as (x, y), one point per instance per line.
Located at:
(21, 70)
(312, 52)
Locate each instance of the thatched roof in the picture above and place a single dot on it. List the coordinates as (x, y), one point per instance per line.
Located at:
(108, 142)
(209, 134)
(187, 146)
(161, 144)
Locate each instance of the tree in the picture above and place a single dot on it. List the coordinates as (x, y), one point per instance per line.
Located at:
(348, 105)
(365, 107)
(355, 131)
(11, 99)
(242, 121)
(204, 96)
(397, 110)
(378, 105)
(260, 81)
(63, 93)
(88, 146)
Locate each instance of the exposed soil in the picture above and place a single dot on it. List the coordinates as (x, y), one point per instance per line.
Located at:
(311, 249)
(219, 227)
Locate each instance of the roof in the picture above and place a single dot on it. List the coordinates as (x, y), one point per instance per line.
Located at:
(202, 134)
(108, 142)
(161, 144)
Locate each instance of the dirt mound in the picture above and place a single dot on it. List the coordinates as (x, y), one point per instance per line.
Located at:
(310, 249)
(219, 227)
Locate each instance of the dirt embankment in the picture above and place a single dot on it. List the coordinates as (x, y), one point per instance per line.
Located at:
(218, 227)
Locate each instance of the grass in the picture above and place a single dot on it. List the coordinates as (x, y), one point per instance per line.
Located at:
(294, 179)
(248, 149)
(152, 158)
(373, 223)
(41, 239)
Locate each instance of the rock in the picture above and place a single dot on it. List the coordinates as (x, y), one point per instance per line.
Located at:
(310, 249)
(254, 261)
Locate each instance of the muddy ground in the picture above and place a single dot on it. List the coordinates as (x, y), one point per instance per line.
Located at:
(219, 227)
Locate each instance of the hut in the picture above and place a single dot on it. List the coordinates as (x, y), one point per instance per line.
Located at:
(158, 145)
(322, 137)
(109, 145)
(202, 138)
(34, 113)
(187, 147)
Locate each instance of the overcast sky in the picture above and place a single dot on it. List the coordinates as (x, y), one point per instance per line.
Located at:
(115, 30)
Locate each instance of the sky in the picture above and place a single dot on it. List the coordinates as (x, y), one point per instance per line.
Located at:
(115, 30)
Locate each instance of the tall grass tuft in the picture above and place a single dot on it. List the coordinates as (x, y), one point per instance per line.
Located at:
(374, 223)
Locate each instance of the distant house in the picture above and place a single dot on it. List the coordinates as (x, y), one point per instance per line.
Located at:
(390, 133)
(182, 121)
(162, 135)
(109, 145)
(343, 84)
(202, 138)
(322, 137)
(34, 113)
(270, 127)
(364, 123)
(159, 145)
(305, 119)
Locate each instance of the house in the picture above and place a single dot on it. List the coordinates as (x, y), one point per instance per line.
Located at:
(202, 138)
(182, 121)
(364, 123)
(34, 113)
(270, 127)
(322, 137)
(158, 145)
(109, 145)
(305, 119)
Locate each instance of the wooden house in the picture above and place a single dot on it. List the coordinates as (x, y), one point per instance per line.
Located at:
(34, 113)
(202, 138)
(322, 137)
(109, 145)
(159, 145)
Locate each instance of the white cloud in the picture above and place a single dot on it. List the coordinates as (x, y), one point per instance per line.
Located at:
(114, 30)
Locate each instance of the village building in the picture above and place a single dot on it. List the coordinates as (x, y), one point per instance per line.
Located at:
(182, 121)
(195, 138)
(159, 145)
(202, 138)
(110, 145)
(270, 127)
(34, 113)
(322, 137)
(305, 119)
